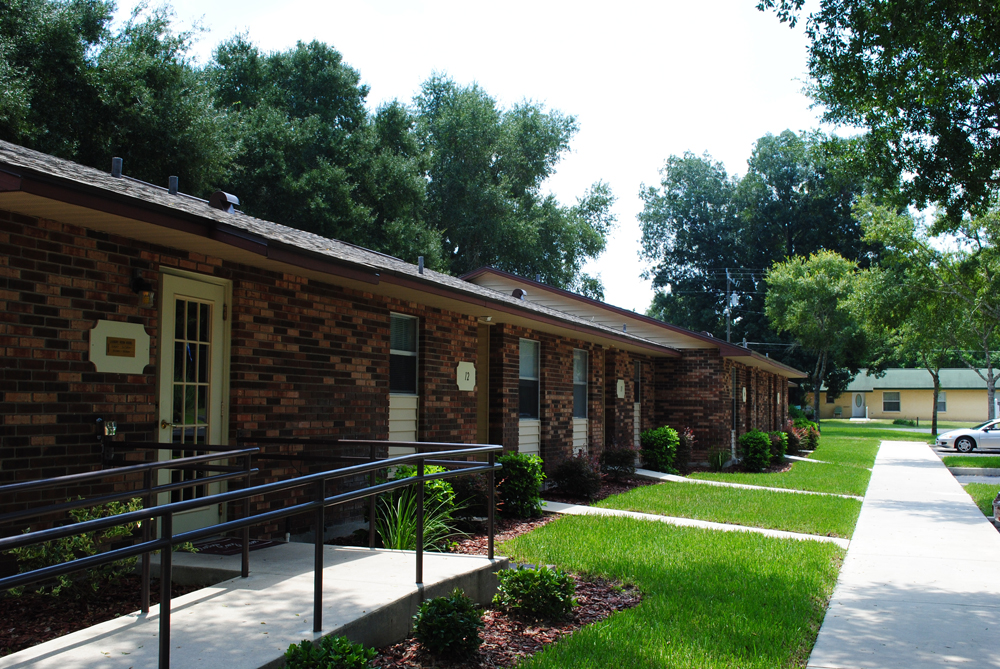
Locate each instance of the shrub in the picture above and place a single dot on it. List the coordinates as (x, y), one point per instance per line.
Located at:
(67, 549)
(472, 495)
(717, 459)
(779, 444)
(685, 446)
(804, 423)
(332, 652)
(396, 521)
(578, 476)
(521, 485)
(904, 421)
(811, 439)
(756, 447)
(439, 490)
(659, 449)
(535, 592)
(449, 626)
(794, 438)
(795, 412)
(618, 460)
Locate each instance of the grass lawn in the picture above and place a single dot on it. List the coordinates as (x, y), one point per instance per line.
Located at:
(850, 447)
(712, 599)
(809, 514)
(964, 461)
(983, 494)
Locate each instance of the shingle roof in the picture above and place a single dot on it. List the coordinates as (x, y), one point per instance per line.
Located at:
(125, 188)
(916, 379)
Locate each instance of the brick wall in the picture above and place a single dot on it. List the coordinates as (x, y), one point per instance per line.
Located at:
(618, 412)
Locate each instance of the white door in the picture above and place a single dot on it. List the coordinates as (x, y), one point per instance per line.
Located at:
(192, 386)
(858, 406)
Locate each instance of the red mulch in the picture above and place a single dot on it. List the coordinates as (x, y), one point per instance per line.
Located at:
(32, 619)
(608, 487)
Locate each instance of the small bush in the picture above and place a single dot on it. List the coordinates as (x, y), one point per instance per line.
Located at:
(904, 421)
(794, 436)
(521, 484)
(659, 449)
(685, 446)
(539, 593)
(472, 495)
(438, 491)
(756, 447)
(449, 626)
(795, 412)
(578, 476)
(396, 521)
(332, 652)
(618, 460)
(804, 423)
(779, 444)
(717, 459)
(67, 549)
(811, 439)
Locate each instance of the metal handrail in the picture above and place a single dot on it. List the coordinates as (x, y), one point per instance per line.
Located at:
(165, 514)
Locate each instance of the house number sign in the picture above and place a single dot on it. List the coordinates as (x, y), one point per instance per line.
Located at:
(465, 375)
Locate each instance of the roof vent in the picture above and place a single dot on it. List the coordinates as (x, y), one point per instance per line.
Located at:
(520, 293)
(173, 184)
(116, 167)
(224, 201)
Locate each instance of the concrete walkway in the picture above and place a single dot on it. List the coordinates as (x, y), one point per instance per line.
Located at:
(920, 586)
(673, 478)
(579, 510)
(369, 596)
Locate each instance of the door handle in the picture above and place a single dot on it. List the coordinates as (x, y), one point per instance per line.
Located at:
(164, 424)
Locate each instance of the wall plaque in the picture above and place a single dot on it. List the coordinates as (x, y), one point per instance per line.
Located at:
(119, 348)
(465, 376)
(621, 389)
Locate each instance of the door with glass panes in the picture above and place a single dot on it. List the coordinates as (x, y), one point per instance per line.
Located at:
(192, 387)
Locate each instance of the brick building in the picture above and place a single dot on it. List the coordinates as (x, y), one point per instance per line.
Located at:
(186, 321)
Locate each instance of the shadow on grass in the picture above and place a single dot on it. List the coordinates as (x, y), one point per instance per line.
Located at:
(712, 599)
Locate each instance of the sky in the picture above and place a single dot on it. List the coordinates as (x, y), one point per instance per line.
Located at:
(645, 80)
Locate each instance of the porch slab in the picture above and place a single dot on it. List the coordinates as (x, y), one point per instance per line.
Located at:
(369, 596)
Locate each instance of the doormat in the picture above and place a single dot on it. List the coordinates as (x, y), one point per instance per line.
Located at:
(229, 546)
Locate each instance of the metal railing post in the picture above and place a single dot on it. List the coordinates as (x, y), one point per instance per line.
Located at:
(245, 567)
(166, 573)
(318, 557)
(420, 522)
(371, 501)
(147, 500)
(491, 501)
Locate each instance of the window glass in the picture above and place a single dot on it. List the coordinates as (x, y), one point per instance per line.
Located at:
(402, 354)
(528, 381)
(890, 401)
(942, 403)
(579, 384)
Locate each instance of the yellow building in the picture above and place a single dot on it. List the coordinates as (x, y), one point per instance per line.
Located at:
(908, 393)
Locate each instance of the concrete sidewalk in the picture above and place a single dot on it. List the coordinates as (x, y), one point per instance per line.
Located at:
(920, 586)
(369, 596)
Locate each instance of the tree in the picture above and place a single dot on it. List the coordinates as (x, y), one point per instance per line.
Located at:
(711, 236)
(808, 298)
(78, 90)
(959, 288)
(923, 77)
(486, 170)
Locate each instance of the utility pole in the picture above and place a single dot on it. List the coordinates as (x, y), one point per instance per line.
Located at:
(729, 306)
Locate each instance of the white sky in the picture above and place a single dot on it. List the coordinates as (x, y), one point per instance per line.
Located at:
(644, 79)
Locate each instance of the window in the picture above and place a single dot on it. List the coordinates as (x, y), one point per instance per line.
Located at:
(402, 354)
(890, 401)
(942, 403)
(528, 384)
(830, 399)
(638, 382)
(579, 384)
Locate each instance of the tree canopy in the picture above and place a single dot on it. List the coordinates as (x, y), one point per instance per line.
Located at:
(924, 78)
(453, 177)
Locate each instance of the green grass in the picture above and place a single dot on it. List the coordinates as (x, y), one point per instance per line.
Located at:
(711, 599)
(850, 447)
(965, 461)
(809, 514)
(983, 494)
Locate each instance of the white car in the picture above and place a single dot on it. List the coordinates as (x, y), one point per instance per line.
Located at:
(984, 435)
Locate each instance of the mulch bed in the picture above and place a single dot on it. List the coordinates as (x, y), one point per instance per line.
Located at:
(32, 619)
(608, 487)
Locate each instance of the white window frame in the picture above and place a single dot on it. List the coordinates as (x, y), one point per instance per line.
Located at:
(536, 378)
(415, 353)
(585, 356)
(942, 402)
(898, 401)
